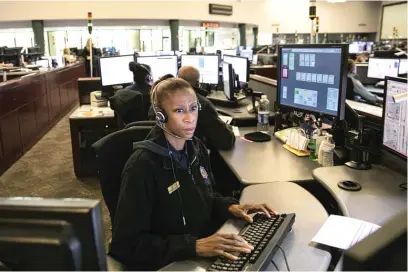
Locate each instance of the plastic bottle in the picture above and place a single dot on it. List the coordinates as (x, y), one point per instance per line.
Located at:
(326, 151)
(263, 114)
(312, 148)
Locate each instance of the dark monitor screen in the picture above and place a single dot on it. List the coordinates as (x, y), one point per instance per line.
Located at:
(85, 217)
(313, 78)
(395, 125)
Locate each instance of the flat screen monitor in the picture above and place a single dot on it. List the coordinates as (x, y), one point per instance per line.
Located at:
(353, 48)
(165, 53)
(313, 78)
(160, 66)
(228, 80)
(379, 68)
(403, 67)
(369, 47)
(115, 70)
(395, 128)
(230, 52)
(247, 53)
(85, 217)
(255, 59)
(240, 66)
(146, 54)
(208, 66)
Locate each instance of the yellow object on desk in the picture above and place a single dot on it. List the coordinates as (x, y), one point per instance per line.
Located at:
(299, 153)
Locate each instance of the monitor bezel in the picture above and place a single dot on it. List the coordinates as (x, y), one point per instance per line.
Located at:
(377, 78)
(386, 148)
(207, 55)
(247, 66)
(100, 69)
(174, 56)
(341, 105)
(231, 81)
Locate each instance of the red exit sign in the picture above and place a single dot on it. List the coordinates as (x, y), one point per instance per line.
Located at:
(211, 24)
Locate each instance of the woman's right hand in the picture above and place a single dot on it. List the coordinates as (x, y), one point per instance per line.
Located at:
(220, 244)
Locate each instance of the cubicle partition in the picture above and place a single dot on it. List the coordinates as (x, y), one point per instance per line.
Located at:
(31, 106)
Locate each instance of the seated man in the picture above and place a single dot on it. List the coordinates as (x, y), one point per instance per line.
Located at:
(358, 87)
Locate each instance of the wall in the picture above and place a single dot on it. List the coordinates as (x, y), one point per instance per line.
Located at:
(291, 15)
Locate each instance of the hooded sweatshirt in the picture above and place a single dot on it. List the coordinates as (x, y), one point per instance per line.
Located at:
(157, 222)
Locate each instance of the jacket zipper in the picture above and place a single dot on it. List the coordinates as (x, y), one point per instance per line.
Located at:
(195, 184)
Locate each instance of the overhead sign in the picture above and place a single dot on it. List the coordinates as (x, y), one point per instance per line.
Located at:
(220, 9)
(210, 24)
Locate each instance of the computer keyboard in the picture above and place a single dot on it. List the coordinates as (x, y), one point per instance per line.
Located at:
(264, 234)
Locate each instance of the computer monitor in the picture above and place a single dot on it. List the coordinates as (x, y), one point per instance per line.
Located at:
(395, 128)
(146, 54)
(38, 245)
(383, 250)
(228, 80)
(403, 67)
(165, 53)
(254, 59)
(208, 66)
(230, 52)
(240, 66)
(247, 53)
(160, 65)
(313, 78)
(115, 70)
(354, 48)
(369, 47)
(379, 68)
(85, 217)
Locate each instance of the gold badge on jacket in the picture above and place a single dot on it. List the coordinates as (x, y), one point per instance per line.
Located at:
(173, 187)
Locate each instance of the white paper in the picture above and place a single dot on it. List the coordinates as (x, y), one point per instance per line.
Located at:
(343, 232)
(225, 119)
(236, 131)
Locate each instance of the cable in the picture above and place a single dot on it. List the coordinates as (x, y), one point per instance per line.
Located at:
(284, 256)
(403, 186)
(274, 264)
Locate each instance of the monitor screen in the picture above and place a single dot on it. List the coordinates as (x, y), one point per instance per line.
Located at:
(240, 66)
(246, 54)
(146, 54)
(160, 65)
(255, 59)
(165, 53)
(227, 80)
(231, 52)
(115, 70)
(379, 68)
(310, 77)
(354, 48)
(395, 127)
(403, 67)
(208, 66)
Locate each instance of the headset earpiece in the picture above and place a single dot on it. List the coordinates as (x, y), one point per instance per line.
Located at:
(161, 117)
(199, 105)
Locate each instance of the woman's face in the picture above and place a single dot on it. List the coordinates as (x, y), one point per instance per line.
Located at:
(181, 108)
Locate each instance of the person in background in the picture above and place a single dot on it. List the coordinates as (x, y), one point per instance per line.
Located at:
(363, 57)
(68, 58)
(142, 82)
(86, 54)
(357, 88)
(162, 216)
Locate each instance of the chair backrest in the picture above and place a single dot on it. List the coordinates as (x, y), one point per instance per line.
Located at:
(112, 152)
(350, 89)
(141, 123)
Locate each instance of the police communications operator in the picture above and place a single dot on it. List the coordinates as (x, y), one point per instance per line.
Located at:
(167, 210)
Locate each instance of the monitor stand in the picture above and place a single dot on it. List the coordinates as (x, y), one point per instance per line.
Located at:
(219, 98)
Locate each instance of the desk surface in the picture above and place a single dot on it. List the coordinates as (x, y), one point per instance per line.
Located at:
(310, 216)
(89, 112)
(239, 112)
(263, 79)
(366, 108)
(379, 199)
(254, 163)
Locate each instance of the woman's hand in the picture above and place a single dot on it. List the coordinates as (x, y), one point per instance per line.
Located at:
(221, 244)
(243, 211)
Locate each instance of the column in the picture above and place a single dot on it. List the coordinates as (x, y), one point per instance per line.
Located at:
(255, 31)
(242, 34)
(38, 29)
(174, 34)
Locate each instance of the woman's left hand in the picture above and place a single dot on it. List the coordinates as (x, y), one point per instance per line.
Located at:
(243, 211)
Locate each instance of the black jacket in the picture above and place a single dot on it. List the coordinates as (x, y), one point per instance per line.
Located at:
(148, 231)
(144, 89)
(128, 105)
(210, 128)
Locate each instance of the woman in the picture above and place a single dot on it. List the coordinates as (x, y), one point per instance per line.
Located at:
(357, 88)
(86, 54)
(167, 209)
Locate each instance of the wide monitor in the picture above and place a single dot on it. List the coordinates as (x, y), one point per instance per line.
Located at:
(395, 125)
(231, 52)
(208, 66)
(313, 78)
(403, 67)
(240, 66)
(247, 53)
(38, 245)
(115, 70)
(146, 54)
(85, 217)
(228, 81)
(165, 53)
(354, 48)
(160, 66)
(379, 68)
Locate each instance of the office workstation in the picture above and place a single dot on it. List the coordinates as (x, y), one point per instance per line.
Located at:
(305, 144)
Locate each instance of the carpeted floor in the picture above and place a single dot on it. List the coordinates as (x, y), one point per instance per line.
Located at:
(46, 170)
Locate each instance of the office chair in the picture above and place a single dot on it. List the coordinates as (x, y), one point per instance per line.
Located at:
(141, 123)
(350, 90)
(112, 152)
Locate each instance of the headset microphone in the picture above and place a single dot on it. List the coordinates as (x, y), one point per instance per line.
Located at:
(172, 134)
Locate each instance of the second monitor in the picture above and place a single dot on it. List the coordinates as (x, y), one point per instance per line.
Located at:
(208, 66)
(160, 66)
(240, 66)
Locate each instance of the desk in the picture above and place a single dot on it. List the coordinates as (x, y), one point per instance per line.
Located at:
(278, 195)
(87, 127)
(240, 115)
(379, 199)
(254, 163)
(365, 108)
(374, 90)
